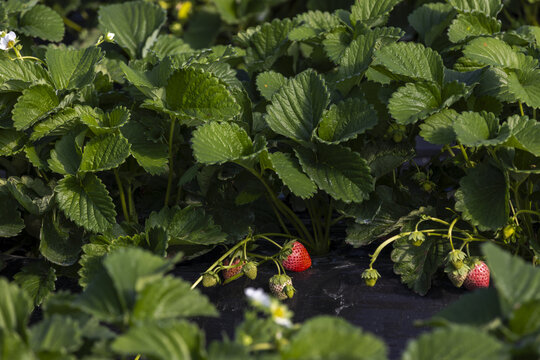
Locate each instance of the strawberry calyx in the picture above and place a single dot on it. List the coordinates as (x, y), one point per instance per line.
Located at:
(370, 276)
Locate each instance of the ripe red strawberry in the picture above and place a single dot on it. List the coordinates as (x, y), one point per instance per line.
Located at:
(478, 277)
(299, 259)
(228, 273)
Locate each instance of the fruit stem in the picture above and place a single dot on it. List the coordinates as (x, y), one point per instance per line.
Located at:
(122, 195)
(521, 108)
(268, 239)
(465, 156)
(277, 265)
(171, 161)
(223, 257)
(450, 228)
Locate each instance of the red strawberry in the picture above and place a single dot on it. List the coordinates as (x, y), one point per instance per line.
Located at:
(228, 273)
(478, 277)
(299, 259)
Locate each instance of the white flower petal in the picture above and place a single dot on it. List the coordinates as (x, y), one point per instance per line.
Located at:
(283, 321)
(11, 36)
(258, 296)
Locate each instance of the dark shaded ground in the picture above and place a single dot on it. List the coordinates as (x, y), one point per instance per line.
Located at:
(333, 286)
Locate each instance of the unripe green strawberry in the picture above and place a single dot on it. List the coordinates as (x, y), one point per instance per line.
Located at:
(509, 231)
(428, 186)
(417, 238)
(210, 279)
(458, 276)
(456, 257)
(370, 276)
(289, 291)
(277, 285)
(250, 269)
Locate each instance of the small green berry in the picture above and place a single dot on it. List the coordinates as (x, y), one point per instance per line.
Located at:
(210, 279)
(370, 276)
(250, 269)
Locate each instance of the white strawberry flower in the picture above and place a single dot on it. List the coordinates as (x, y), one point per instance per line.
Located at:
(8, 40)
(110, 37)
(280, 314)
(258, 296)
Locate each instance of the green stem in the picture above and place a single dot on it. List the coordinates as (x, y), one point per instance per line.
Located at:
(171, 162)
(291, 216)
(122, 195)
(278, 216)
(268, 239)
(223, 257)
(465, 156)
(78, 28)
(532, 212)
(450, 232)
(277, 265)
(131, 204)
(328, 224)
(278, 235)
(521, 108)
(338, 219)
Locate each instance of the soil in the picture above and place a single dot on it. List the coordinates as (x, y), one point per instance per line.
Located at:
(333, 286)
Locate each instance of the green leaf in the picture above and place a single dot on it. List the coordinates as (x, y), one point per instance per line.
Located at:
(469, 25)
(477, 308)
(56, 243)
(34, 103)
(347, 120)
(417, 264)
(43, 22)
(371, 12)
(480, 129)
(31, 193)
(456, 343)
(290, 172)
(266, 43)
(37, 280)
(86, 202)
(526, 319)
(152, 156)
(217, 143)
(13, 347)
(26, 72)
(357, 57)
(171, 298)
(516, 281)
(15, 308)
(438, 128)
(136, 25)
(11, 223)
(524, 134)
(70, 68)
(431, 20)
(115, 283)
(326, 337)
(168, 341)
(314, 23)
(100, 122)
(56, 124)
(524, 86)
(66, 155)
(104, 152)
(407, 61)
(416, 101)
(483, 197)
(169, 45)
(192, 226)
(195, 93)
(56, 334)
(385, 157)
(11, 141)
(339, 171)
(487, 7)
(494, 52)
(269, 82)
(297, 107)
